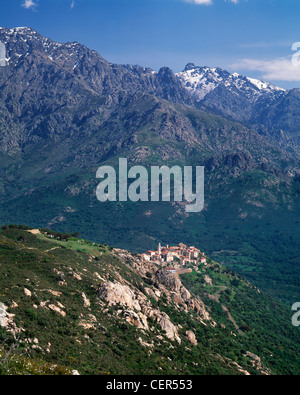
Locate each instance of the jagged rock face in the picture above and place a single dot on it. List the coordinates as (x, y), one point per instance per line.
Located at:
(151, 293)
(35, 63)
(208, 280)
(185, 294)
(171, 89)
(197, 305)
(86, 301)
(169, 280)
(137, 311)
(138, 307)
(166, 325)
(180, 294)
(139, 320)
(115, 293)
(57, 310)
(7, 321)
(49, 90)
(27, 50)
(41, 77)
(169, 285)
(244, 99)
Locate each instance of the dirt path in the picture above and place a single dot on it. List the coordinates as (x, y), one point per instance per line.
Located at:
(232, 320)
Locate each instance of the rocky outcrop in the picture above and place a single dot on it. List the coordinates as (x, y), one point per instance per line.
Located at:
(256, 362)
(170, 329)
(197, 305)
(170, 281)
(137, 308)
(57, 309)
(88, 322)
(153, 294)
(86, 301)
(7, 321)
(3, 315)
(116, 293)
(208, 280)
(180, 295)
(138, 320)
(191, 337)
(27, 292)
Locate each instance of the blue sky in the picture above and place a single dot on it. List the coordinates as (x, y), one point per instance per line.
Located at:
(252, 37)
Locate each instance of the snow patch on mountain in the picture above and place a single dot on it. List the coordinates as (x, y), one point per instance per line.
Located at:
(200, 81)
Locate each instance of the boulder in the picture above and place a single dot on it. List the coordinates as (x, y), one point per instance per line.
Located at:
(191, 338)
(86, 301)
(170, 329)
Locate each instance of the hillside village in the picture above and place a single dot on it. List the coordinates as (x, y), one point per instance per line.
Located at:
(179, 256)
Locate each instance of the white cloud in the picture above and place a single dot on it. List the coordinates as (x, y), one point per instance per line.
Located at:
(29, 4)
(72, 4)
(200, 2)
(208, 2)
(281, 69)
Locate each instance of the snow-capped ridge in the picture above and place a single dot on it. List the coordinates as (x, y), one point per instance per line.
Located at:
(200, 81)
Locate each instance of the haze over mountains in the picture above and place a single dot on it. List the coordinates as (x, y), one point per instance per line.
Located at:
(64, 111)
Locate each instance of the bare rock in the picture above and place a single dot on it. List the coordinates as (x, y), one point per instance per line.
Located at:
(185, 294)
(197, 305)
(170, 329)
(57, 310)
(3, 315)
(191, 338)
(86, 301)
(138, 320)
(116, 293)
(169, 280)
(27, 292)
(208, 280)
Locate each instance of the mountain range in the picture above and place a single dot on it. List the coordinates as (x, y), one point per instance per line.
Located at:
(243, 99)
(64, 111)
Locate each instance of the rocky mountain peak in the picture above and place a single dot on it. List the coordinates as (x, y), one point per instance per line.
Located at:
(200, 81)
(189, 66)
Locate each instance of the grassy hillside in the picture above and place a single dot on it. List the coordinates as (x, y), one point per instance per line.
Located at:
(49, 283)
(245, 225)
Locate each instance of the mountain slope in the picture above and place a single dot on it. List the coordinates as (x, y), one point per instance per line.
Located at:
(253, 102)
(65, 111)
(232, 95)
(100, 310)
